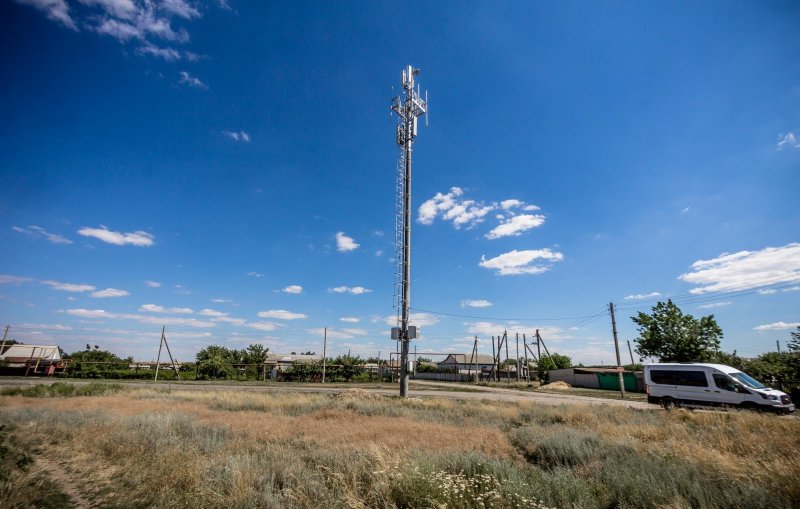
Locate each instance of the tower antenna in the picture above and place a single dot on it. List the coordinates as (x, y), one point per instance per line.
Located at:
(408, 106)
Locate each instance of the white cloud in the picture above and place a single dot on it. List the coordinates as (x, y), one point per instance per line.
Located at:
(211, 312)
(495, 329)
(56, 10)
(777, 326)
(7, 279)
(745, 269)
(418, 319)
(516, 262)
(791, 289)
(109, 292)
(295, 289)
(355, 290)
(191, 81)
(767, 292)
(153, 308)
(221, 301)
(516, 225)
(640, 296)
(349, 319)
(333, 333)
(462, 212)
(281, 314)
(264, 326)
(137, 238)
(180, 8)
(152, 284)
(68, 287)
(39, 232)
(150, 320)
(713, 305)
(229, 319)
(237, 135)
(345, 243)
(255, 274)
(788, 140)
(479, 303)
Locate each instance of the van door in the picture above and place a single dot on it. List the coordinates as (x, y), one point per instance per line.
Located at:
(693, 386)
(726, 390)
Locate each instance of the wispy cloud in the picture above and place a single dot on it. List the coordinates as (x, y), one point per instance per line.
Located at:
(713, 305)
(150, 320)
(153, 284)
(263, 326)
(355, 290)
(479, 303)
(418, 319)
(237, 135)
(68, 287)
(788, 140)
(256, 275)
(7, 279)
(187, 79)
(516, 225)
(777, 326)
(221, 301)
(349, 319)
(294, 289)
(345, 243)
(153, 308)
(212, 312)
(337, 333)
(38, 232)
(281, 314)
(148, 25)
(515, 263)
(56, 10)
(745, 269)
(137, 238)
(108, 293)
(641, 296)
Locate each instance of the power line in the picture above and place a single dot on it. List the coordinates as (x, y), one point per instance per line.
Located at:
(501, 318)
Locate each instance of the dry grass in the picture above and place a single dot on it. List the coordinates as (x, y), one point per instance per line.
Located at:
(220, 448)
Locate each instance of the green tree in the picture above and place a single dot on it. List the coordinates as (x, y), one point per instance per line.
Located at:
(548, 362)
(794, 343)
(672, 336)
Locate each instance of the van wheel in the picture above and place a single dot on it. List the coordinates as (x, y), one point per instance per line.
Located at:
(668, 404)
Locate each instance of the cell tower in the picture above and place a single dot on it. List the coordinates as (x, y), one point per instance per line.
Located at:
(409, 106)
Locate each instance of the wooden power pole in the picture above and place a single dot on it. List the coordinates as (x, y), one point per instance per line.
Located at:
(324, 351)
(616, 348)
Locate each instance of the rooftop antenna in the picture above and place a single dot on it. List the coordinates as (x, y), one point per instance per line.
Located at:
(408, 107)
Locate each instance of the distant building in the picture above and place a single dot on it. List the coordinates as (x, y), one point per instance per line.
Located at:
(33, 359)
(459, 362)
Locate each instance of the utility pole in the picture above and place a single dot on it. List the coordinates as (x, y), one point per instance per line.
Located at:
(493, 373)
(475, 349)
(508, 366)
(630, 352)
(408, 109)
(527, 367)
(5, 335)
(778, 343)
(616, 348)
(324, 351)
(517, 363)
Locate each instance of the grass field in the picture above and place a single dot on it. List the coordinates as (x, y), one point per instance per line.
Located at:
(126, 447)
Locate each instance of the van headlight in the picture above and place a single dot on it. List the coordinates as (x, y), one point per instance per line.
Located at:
(773, 397)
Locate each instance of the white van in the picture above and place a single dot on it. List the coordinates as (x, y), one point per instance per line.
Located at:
(693, 384)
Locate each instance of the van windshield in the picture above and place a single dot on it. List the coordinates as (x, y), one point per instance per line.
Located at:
(748, 380)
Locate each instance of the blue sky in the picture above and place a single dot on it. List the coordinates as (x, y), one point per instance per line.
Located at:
(228, 168)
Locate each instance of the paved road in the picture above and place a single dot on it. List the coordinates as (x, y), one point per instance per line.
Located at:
(419, 388)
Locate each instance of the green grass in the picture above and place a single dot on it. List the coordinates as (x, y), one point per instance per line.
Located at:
(63, 390)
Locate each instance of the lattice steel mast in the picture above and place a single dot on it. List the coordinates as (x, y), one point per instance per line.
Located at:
(408, 107)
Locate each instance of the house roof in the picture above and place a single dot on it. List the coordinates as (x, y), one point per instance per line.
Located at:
(273, 358)
(24, 352)
(461, 358)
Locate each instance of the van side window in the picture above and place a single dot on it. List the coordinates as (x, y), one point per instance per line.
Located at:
(724, 382)
(676, 377)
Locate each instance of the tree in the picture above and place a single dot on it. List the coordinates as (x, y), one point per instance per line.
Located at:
(555, 361)
(794, 343)
(672, 336)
